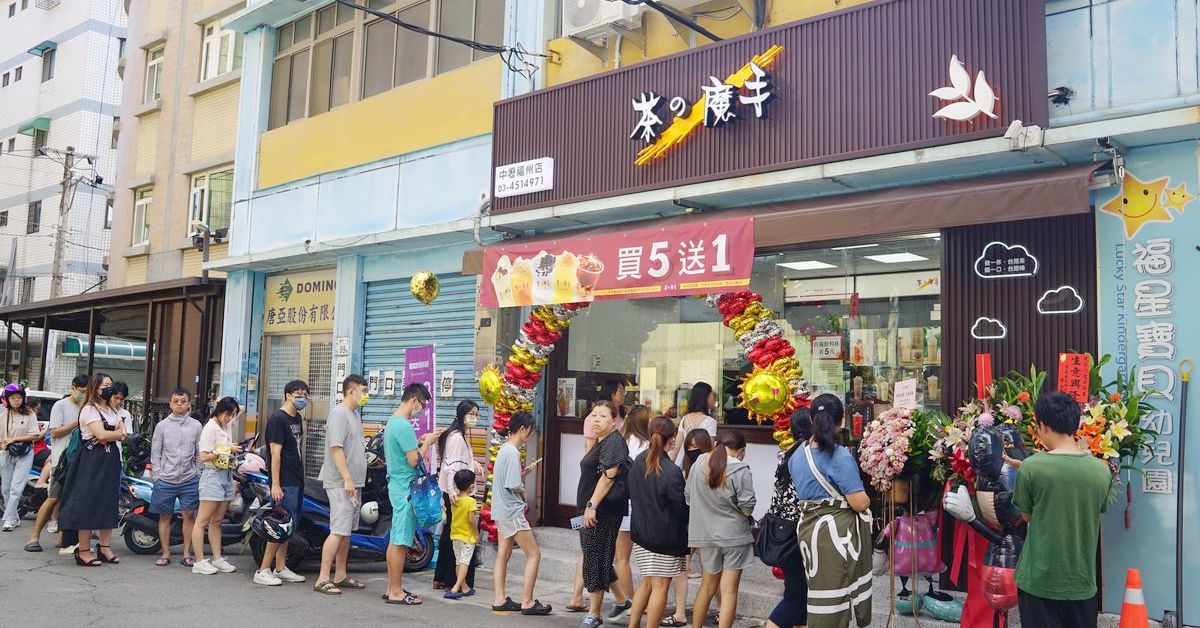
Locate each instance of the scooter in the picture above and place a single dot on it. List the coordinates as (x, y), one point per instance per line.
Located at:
(369, 542)
(139, 527)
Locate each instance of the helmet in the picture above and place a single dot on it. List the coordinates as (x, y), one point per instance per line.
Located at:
(274, 526)
(369, 513)
(12, 388)
(253, 463)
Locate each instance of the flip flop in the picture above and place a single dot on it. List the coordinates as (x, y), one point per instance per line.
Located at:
(349, 583)
(469, 593)
(33, 547)
(188, 562)
(571, 608)
(453, 595)
(162, 562)
(408, 600)
(671, 622)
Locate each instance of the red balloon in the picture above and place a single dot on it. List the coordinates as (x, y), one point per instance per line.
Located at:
(777, 572)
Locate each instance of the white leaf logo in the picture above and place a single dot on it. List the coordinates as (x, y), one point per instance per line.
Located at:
(965, 105)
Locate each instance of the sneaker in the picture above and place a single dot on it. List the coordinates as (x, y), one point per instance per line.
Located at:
(68, 550)
(205, 568)
(265, 577)
(52, 527)
(620, 611)
(591, 621)
(223, 565)
(287, 575)
(8, 526)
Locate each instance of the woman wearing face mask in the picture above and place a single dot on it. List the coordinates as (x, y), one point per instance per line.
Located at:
(720, 492)
(120, 392)
(216, 451)
(455, 454)
(18, 431)
(94, 479)
(695, 444)
(601, 473)
(701, 402)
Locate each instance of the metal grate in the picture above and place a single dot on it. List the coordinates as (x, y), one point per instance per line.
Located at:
(320, 369)
(46, 4)
(314, 447)
(283, 362)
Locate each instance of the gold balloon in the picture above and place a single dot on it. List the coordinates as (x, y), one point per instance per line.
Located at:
(491, 384)
(425, 287)
(765, 394)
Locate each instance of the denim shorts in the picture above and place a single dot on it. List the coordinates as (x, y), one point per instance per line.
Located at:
(291, 500)
(216, 485)
(164, 494)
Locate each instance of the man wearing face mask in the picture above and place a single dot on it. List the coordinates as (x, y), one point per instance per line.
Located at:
(284, 434)
(64, 418)
(175, 462)
(343, 475)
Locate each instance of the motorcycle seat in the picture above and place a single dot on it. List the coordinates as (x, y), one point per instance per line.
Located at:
(315, 490)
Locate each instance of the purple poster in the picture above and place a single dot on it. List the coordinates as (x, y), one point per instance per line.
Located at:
(418, 369)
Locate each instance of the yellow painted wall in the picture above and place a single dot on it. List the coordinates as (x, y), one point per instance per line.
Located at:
(215, 122)
(147, 141)
(443, 109)
(662, 39)
(135, 270)
(192, 260)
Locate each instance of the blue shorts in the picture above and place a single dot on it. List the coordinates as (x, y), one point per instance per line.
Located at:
(291, 500)
(404, 519)
(216, 485)
(164, 494)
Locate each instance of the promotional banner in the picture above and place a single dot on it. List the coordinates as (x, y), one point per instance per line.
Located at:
(1146, 228)
(418, 369)
(689, 258)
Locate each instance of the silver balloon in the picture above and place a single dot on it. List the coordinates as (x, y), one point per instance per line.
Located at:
(712, 300)
(768, 326)
(749, 340)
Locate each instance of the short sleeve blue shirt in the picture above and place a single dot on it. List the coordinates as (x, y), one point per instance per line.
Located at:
(398, 439)
(839, 468)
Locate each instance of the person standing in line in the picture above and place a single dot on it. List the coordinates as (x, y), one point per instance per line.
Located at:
(636, 432)
(176, 467)
(216, 451)
(91, 493)
(284, 433)
(720, 493)
(343, 475)
(464, 535)
(1062, 493)
(701, 401)
(695, 443)
(18, 432)
(508, 511)
(601, 477)
(792, 610)
(454, 455)
(64, 418)
(120, 392)
(612, 391)
(402, 450)
(660, 523)
(834, 512)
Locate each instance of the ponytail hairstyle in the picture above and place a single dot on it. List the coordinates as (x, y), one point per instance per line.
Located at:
(719, 458)
(800, 425)
(701, 440)
(698, 398)
(637, 423)
(662, 430)
(827, 415)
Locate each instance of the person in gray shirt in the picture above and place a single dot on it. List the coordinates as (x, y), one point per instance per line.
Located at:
(175, 462)
(343, 475)
(508, 510)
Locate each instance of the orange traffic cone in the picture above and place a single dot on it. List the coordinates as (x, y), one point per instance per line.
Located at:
(1133, 611)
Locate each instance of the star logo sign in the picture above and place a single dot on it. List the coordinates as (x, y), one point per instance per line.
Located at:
(1139, 202)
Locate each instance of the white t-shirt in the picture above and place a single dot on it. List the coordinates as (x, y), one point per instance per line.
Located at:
(691, 422)
(63, 413)
(636, 446)
(127, 422)
(214, 439)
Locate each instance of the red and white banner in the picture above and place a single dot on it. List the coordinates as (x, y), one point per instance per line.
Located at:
(691, 258)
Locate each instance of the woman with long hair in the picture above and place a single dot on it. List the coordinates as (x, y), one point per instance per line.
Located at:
(792, 610)
(834, 511)
(454, 455)
(695, 444)
(18, 433)
(92, 490)
(720, 492)
(660, 520)
(216, 451)
(636, 432)
(700, 405)
(603, 499)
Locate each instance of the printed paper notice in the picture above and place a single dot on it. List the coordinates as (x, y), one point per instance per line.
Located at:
(906, 394)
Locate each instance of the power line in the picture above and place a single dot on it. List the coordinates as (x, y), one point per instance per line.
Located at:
(672, 15)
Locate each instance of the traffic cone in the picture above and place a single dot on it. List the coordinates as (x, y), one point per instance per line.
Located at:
(1133, 611)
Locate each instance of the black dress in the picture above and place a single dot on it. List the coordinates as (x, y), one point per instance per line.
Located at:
(92, 491)
(599, 542)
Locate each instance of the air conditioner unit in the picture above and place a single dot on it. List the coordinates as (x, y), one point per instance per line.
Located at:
(595, 19)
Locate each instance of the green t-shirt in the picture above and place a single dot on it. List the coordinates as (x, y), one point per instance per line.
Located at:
(398, 439)
(1064, 494)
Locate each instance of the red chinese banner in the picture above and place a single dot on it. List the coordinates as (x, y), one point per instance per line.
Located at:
(1074, 375)
(983, 374)
(706, 257)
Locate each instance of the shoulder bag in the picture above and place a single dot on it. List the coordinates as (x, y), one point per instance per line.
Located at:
(16, 450)
(776, 540)
(425, 496)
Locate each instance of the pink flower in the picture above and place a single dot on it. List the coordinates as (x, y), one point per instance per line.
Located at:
(986, 419)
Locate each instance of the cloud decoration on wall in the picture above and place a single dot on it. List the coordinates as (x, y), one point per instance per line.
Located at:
(1061, 300)
(988, 329)
(1003, 261)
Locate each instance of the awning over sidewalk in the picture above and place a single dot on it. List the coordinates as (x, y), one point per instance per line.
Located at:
(928, 207)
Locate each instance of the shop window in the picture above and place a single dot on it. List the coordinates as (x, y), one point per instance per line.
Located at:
(142, 204)
(220, 51)
(154, 66)
(861, 317)
(33, 217)
(212, 199)
(48, 64)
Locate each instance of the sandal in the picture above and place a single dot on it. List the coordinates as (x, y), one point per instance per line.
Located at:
(408, 600)
(453, 595)
(327, 587)
(33, 547)
(349, 583)
(162, 562)
(571, 608)
(111, 559)
(188, 561)
(672, 622)
(95, 562)
(508, 605)
(538, 609)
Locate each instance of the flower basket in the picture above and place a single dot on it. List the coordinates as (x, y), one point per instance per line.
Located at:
(896, 445)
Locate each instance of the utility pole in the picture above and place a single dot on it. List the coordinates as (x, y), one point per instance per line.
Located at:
(64, 208)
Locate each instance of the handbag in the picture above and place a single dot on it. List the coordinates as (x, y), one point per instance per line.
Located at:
(16, 450)
(776, 540)
(425, 496)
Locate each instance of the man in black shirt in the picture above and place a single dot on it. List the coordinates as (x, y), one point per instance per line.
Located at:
(284, 432)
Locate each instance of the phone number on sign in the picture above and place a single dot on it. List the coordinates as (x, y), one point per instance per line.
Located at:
(531, 184)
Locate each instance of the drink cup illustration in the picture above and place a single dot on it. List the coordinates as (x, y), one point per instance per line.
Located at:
(502, 283)
(566, 284)
(543, 278)
(521, 282)
(589, 271)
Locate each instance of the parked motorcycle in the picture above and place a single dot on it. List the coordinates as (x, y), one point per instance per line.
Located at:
(369, 542)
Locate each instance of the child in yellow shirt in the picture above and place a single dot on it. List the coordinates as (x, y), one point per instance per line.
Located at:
(464, 517)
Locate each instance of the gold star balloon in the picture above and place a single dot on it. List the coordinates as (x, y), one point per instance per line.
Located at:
(1138, 203)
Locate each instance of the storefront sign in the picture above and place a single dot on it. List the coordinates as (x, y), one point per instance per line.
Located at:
(827, 347)
(776, 99)
(446, 385)
(373, 381)
(1074, 375)
(1004, 261)
(906, 394)
(689, 258)
(419, 369)
(1145, 258)
(300, 301)
(389, 383)
(526, 177)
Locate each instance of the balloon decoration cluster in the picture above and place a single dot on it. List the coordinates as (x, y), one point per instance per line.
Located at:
(424, 286)
(775, 387)
(513, 389)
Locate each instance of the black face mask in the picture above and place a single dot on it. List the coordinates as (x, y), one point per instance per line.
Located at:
(693, 454)
(106, 393)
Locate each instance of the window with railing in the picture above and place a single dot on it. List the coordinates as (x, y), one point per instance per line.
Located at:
(220, 51)
(212, 200)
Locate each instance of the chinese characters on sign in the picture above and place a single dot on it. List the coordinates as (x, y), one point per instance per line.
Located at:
(827, 347)
(688, 258)
(1154, 338)
(526, 177)
(301, 301)
(1074, 374)
(1001, 261)
(418, 369)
